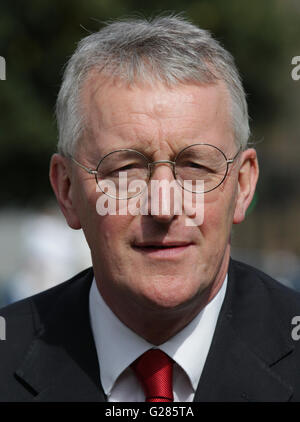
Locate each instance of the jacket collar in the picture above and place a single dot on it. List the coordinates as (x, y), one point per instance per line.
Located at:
(247, 345)
(61, 363)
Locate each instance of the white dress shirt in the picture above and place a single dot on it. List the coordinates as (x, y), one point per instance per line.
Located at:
(118, 346)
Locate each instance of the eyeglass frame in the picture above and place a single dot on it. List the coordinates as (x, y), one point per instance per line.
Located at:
(151, 164)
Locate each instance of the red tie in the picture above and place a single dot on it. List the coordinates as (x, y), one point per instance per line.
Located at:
(154, 369)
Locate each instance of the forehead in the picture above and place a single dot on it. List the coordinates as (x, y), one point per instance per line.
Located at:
(154, 116)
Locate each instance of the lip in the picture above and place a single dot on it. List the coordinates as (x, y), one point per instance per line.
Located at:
(162, 249)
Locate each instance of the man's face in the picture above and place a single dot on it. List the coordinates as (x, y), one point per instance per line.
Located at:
(159, 122)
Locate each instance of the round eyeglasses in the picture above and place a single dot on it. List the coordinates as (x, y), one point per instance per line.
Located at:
(125, 168)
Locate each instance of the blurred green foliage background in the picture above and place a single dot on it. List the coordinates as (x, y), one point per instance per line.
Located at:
(37, 37)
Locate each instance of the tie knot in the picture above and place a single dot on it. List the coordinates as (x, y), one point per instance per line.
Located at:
(154, 370)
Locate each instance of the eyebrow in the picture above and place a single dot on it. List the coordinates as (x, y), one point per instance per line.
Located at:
(135, 145)
(139, 145)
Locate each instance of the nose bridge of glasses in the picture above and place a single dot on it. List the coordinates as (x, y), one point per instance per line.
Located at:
(154, 163)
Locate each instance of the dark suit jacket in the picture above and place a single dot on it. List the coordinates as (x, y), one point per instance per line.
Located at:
(49, 352)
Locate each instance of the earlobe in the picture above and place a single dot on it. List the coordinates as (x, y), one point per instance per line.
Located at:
(61, 182)
(247, 180)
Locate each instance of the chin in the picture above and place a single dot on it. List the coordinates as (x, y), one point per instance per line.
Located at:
(170, 296)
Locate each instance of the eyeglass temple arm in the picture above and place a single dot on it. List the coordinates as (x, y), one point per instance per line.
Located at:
(90, 171)
(232, 159)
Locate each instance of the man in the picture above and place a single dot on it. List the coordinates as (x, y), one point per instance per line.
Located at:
(164, 314)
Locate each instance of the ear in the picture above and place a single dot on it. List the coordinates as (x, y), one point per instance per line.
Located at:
(247, 179)
(61, 181)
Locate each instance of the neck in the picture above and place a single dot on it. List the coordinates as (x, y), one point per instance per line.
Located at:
(156, 324)
(159, 325)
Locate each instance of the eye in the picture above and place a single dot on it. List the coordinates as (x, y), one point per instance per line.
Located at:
(195, 165)
(133, 169)
(127, 167)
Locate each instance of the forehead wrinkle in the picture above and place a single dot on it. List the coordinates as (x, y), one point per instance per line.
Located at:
(149, 130)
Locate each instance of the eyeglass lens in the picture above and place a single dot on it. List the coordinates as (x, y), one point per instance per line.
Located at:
(127, 172)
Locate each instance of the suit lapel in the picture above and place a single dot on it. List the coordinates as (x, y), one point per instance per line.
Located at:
(61, 363)
(247, 345)
(233, 373)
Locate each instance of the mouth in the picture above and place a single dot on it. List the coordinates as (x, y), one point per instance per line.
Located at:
(162, 250)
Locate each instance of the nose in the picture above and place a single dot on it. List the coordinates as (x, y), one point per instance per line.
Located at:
(165, 168)
(163, 192)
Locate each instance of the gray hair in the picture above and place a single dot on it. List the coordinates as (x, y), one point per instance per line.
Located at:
(168, 49)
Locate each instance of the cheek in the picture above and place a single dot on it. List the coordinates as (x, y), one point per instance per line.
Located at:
(109, 237)
(111, 251)
(112, 228)
(218, 215)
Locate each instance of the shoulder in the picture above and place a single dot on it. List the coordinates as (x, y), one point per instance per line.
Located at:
(45, 300)
(261, 305)
(26, 318)
(54, 311)
(252, 279)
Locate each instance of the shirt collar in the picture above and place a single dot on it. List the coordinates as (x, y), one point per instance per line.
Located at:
(118, 349)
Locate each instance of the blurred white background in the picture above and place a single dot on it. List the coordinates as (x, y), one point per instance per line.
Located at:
(38, 251)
